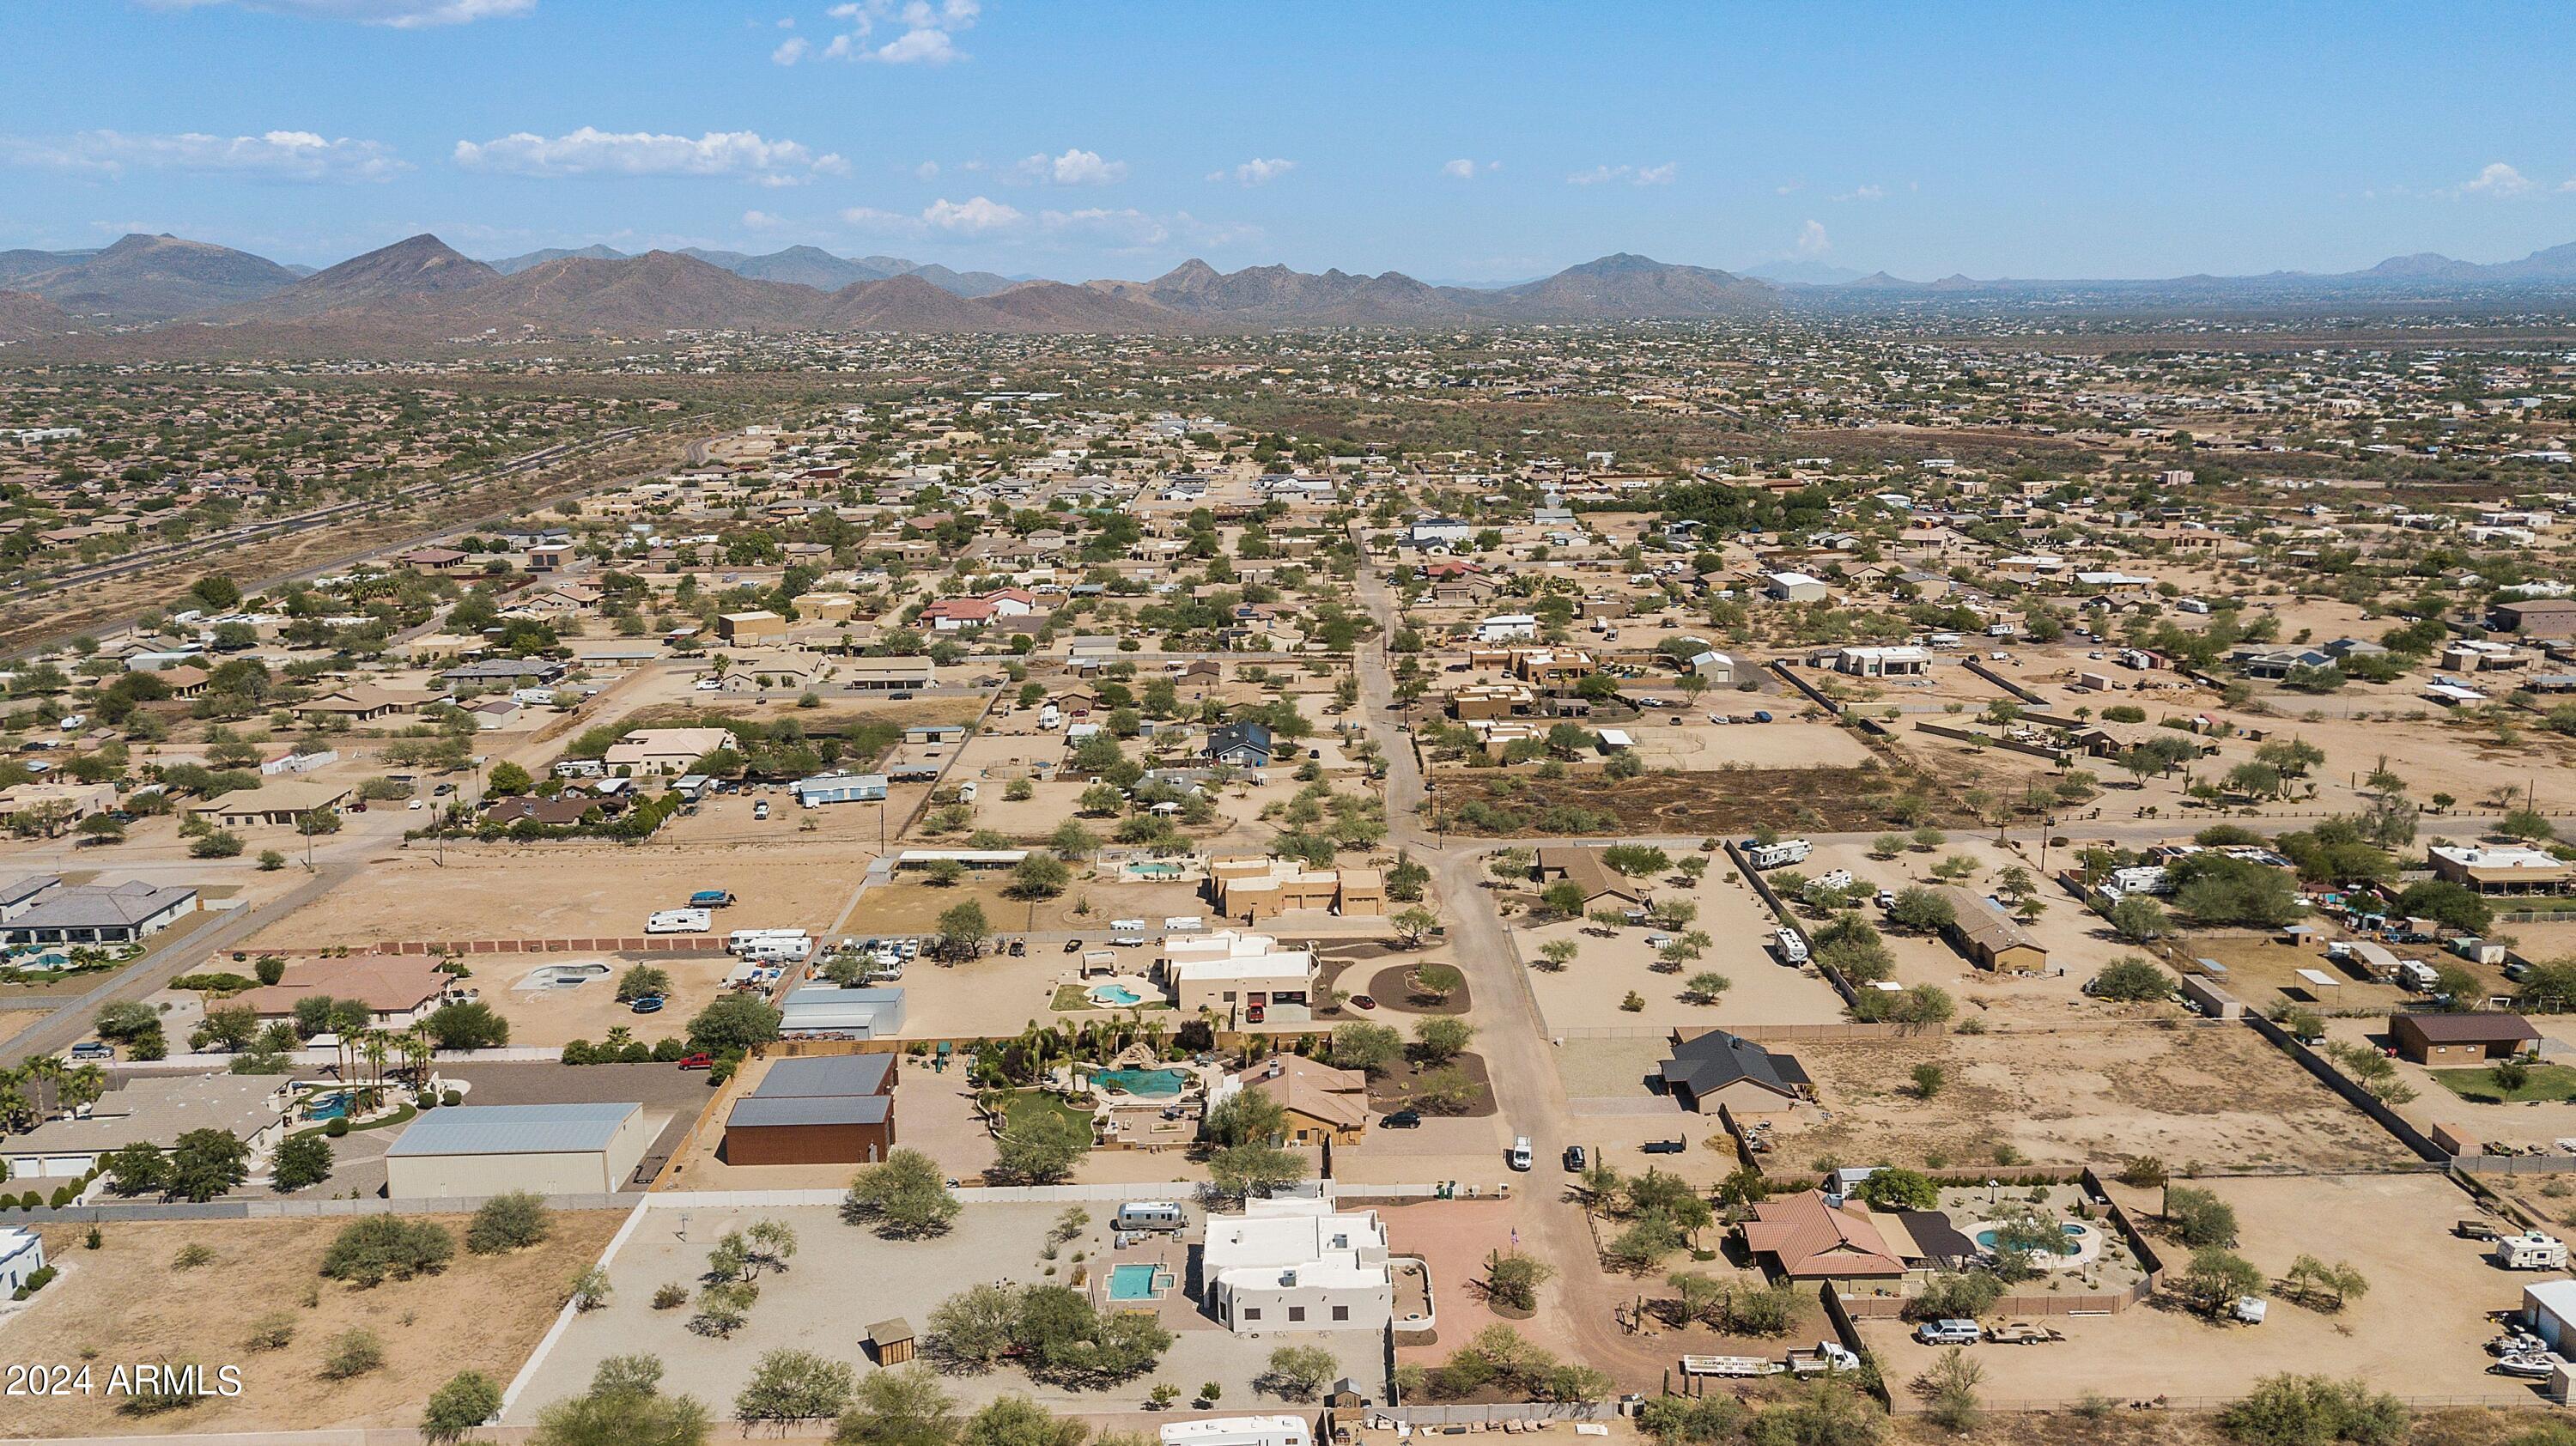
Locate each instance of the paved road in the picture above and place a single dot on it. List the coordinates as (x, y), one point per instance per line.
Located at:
(65, 1026)
(1511, 1033)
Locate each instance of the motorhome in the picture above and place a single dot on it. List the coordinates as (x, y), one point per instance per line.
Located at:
(1776, 855)
(680, 921)
(1792, 946)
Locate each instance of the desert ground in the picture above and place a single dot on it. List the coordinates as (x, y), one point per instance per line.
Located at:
(125, 1303)
(2419, 1330)
(2212, 1095)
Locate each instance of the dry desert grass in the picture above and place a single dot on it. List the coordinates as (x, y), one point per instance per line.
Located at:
(125, 1303)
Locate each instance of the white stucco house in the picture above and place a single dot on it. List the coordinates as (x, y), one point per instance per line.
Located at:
(1298, 1264)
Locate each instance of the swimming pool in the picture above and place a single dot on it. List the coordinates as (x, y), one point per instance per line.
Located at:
(1146, 1084)
(1116, 994)
(1131, 1282)
(2073, 1242)
(1155, 870)
(331, 1106)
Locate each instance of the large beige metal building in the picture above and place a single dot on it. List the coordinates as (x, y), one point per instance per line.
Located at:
(478, 1150)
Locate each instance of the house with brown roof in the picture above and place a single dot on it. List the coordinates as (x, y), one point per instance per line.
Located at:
(1805, 1239)
(1323, 1103)
(2460, 1040)
(1990, 940)
(397, 990)
(1581, 863)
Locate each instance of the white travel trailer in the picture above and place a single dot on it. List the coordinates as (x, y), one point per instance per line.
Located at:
(2531, 1251)
(1239, 1431)
(680, 921)
(1777, 855)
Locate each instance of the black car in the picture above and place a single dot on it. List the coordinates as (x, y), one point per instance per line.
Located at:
(1574, 1159)
(1403, 1120)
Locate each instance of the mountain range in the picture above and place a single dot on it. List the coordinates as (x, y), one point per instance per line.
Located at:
(421, 288)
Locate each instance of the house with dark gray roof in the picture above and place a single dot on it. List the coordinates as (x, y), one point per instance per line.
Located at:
(60, 913)
(1718, 1068)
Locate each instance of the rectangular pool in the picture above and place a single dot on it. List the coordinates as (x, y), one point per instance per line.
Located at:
(1131, 1282)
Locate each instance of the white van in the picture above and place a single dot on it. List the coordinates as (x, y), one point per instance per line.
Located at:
(1144, 1215)
(1520, 1156)
(680, 921)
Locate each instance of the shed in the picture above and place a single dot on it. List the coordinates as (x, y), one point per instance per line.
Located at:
(891, 1341)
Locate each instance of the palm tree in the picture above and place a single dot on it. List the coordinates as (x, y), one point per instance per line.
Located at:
(417, 1052)
(46, 1072)
(84, 1086)
(15, 1105)
(377, 1046)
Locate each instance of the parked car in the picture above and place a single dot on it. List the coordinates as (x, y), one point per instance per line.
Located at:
(1574, 1159)
(647, 1004)
(1951, 1332)
(93, 1049)
(1362, 1001)
(1403, 1120)
(699, 1061)
(1073, 946)
(1254, 1013)
(1519, 1158)
(1019, 948)
(415, 803)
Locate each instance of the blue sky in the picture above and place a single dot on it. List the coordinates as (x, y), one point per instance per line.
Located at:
(1472, 142)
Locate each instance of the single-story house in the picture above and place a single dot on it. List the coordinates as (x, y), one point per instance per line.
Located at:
(275, 803)
(1989, 939)
(150, 1110)
(2438, 1040)
(60, 913)
(1717, 1068)
(1805, 1239)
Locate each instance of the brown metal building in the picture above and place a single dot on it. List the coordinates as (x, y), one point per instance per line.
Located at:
(838, 1110)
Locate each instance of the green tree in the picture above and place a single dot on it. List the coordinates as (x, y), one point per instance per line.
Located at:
(1439, 1038)
(2131, 980)
(905, 1406)
(1041, 1146)
(904, 1198)
(206, 1163)
(466, 1400)
(2292, 1410)
(301, 1161)
(514, 1221)
(1371, 1048)
(792, 1385)
(733, 1024)
(2215, 1279)
(1896, 1188)
(1300, 1373)
(2199, 1218)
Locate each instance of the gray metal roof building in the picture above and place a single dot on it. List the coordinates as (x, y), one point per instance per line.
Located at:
(552, 1149)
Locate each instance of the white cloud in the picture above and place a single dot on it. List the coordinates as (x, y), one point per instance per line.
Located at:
(274, 155)
(1812, 240)
(2500, 181)
(973, 217)
(926, 171)
(763, 221)
(1073, 168)
(1258, 171)
(1466, 170)
(790, 52)
(929, 32)
(401, 14)
(1864, 193)
(1632, 175)
(1788, 188)
(589, 151)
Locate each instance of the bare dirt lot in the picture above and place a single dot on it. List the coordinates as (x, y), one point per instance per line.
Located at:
(125, 1303)
(570, 891)
(2419, 1331)
(542, 1014)
(2212, 1094)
